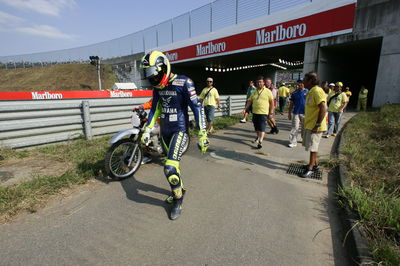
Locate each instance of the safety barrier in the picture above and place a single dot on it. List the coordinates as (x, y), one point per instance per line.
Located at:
(32, 122)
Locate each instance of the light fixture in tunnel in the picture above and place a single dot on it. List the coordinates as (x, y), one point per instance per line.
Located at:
(278, 66)
(211, 69)
(206, 68)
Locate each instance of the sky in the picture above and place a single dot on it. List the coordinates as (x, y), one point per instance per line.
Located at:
(30, 26)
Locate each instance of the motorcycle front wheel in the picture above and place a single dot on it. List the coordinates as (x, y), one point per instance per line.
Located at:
(123, 159)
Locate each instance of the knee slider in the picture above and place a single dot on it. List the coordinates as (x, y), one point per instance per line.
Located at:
(172, 175)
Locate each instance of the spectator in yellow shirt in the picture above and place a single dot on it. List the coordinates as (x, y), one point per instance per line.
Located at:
(314, 120)
(283, 93)
(262, 103)
(209, 97)
(362, 99)
(337, 101)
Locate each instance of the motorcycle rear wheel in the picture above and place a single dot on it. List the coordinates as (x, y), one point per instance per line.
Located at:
(117, 159)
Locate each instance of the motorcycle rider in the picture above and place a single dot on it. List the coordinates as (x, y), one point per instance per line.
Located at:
(172, 95)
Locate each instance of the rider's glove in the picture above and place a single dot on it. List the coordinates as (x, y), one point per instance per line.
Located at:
(146, 136)
(203, 141)
(139, 107)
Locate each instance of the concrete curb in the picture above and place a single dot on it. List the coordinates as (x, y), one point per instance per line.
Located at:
(354, 239)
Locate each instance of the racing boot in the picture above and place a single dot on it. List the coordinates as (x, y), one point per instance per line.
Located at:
(176, 208)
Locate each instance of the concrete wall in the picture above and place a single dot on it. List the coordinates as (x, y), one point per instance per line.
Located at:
(375, 20)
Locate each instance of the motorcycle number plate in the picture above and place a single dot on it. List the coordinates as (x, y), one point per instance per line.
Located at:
(173, 118)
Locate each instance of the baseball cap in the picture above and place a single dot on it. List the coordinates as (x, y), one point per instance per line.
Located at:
(331, 84)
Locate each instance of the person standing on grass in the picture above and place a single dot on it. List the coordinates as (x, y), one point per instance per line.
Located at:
(337, 101)
(271, 119)
(250, 90)
(314, 120)
(297, 103)
(209, 97)
(263, 106)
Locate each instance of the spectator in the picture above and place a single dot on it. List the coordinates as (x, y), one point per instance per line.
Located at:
(314, 120)
(331, 88)
(348, 94)
(296, 104)
(250, 90)
(337, 101)
(362, 99)
(262, 101)
(325, 87)
(283, 93)
(209, 97)
(271, 120)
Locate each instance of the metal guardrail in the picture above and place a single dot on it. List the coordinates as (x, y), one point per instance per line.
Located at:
(32, 123)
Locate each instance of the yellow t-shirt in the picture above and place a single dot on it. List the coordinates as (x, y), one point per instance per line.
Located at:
(314, 97)
(283, 92)
(260, 101)
(211, 97)
(363, 94)
(338, 101)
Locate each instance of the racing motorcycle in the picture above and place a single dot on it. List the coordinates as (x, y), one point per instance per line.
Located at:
(125, 155)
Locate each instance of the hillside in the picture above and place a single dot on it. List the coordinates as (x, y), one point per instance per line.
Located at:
(66, 77)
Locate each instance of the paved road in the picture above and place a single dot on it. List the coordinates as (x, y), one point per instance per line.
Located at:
(241, 209)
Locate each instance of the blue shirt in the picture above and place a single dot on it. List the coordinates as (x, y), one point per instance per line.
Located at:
(298, 98)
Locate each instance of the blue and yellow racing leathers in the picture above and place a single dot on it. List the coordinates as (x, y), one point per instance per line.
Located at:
(171, 105)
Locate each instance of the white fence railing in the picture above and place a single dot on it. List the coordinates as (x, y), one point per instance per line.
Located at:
(31, 123)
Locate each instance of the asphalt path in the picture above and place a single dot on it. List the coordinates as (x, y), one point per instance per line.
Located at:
(241, 208)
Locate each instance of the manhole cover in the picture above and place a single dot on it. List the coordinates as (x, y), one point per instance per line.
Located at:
(298, 169)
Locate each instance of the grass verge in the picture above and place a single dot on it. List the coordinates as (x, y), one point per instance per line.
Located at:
(371, 154)
(84, 159)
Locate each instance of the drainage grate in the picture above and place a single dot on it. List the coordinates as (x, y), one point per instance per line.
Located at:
(298, 169)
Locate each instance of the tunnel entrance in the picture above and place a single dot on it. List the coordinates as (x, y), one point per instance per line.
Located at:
(354, 64)
(231, 73)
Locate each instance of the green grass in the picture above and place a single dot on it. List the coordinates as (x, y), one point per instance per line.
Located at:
(83, 160)
(371, 154)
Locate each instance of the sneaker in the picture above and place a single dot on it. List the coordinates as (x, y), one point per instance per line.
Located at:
(325, 136)
(291, 145)
(308, 173)
(334, 135)
(315, 168)
(276, 130)
(254, 141)
(259, 145)
(146, 159)
(243, 121)
(176, 209)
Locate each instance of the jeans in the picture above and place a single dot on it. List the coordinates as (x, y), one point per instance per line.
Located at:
(297, 127)
(334, 121)
(282, 102)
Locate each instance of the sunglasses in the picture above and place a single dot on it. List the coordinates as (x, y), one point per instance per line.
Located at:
(209, 81)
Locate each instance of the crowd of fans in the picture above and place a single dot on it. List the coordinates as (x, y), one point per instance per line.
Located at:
(315, 110)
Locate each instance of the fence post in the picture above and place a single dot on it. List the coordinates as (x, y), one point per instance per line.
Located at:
(229, 106)
(86, 120)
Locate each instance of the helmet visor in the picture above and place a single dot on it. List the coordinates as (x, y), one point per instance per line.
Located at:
(150, 72)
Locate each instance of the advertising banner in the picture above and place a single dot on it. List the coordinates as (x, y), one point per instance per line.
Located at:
(59, 95)
(324, 24)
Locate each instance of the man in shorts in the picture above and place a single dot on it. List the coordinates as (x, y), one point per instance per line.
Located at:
(314, 120)
(262, 103)
(209, 97)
